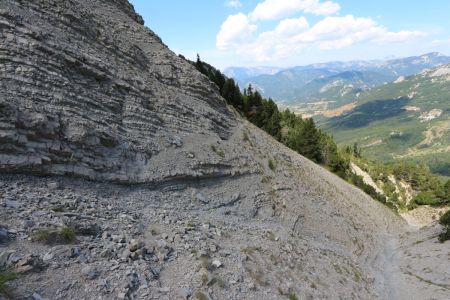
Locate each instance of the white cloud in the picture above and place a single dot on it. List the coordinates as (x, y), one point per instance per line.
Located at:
(339, 32)
(277, 9)
(235, 31)
(440, 42)
(292, 35)
(233, 3)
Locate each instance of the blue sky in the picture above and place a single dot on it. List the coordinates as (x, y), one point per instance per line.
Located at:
(297, 32)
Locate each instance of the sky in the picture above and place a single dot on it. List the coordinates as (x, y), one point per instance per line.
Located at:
(288, 33)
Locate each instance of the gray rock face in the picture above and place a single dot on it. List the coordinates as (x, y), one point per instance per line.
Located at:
(87, 90)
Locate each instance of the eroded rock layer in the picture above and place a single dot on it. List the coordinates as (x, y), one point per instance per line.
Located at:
(86, 89)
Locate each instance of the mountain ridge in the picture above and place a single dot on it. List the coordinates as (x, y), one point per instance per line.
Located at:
(288, 89)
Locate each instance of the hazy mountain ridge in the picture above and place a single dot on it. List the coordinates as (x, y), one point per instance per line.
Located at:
(288, 84)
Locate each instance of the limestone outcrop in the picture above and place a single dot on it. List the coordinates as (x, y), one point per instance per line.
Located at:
(87, 90)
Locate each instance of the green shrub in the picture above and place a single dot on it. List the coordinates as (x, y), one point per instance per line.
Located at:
(292, 296)
(45, 235)
(445, 235)
(6, 276)
(217, 151)
(426, 198)
(445, 219)
(64, 235)
(245, 137)
(271, 165)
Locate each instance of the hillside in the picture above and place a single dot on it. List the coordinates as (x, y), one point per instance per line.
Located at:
(406, 119)
(125, 175)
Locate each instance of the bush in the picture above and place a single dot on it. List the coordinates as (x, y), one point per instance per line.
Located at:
(6, 276)
(445, 235)
(445, 219)
(426, 198)
(67, 234)
(217, 151)
(292, 296)
(64, 235)
(271, 165)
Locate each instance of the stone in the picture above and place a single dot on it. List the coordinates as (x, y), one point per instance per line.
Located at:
(106, 253)
(4, 258)
(4, 237)
(36, 296)
(53, 185)
(200, 197)
(216, 263)
(84, 227)
(184, 293)
(12, 204)
(125, 254)
(106, 235)
(48, 256)
(30, 263)
(89, 272)
(135, 245)
(155, 272)
(164, 290)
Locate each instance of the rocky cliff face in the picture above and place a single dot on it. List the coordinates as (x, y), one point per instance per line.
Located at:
(87, 91)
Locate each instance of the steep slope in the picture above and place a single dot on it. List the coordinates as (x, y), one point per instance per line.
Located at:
(86, 93)
(202, 215)
(408, 118)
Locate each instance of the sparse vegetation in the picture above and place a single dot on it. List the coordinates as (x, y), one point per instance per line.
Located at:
(444, 235)
(217, 151)
(67, 234)
(217, 280)
(63, 235)
(200, 296)
(204, 279)
(5, 277)
(271, 164)
(292, 296)
(271, 236)
(445, 221)
(206, 262)
(59, 208)
(266, 179)
(245, 137)
(251, 250)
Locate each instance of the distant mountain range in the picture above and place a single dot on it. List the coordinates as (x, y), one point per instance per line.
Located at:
(243, 73)
(408, 119)
(340, 82)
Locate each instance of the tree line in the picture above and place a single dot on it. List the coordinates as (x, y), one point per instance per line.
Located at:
(302, 135)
